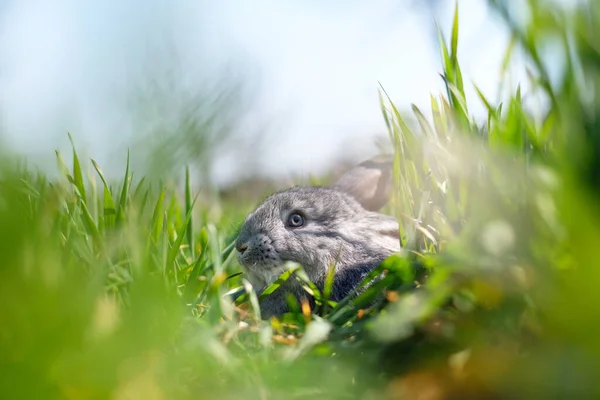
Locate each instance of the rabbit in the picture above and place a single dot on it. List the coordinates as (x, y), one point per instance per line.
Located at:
(316, 227)
(369, 182)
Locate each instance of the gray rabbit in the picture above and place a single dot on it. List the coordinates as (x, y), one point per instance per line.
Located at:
(317, 227)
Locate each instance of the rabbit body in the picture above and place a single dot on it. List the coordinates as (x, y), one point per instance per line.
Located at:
(316, 227)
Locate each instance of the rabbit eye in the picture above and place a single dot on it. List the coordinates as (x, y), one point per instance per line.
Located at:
(295, 220)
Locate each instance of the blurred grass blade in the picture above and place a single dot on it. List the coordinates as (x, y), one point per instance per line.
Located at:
(108, 202)
(124, 193)
(175, 247)
(454, 40)
(188, 210)
(77, 175)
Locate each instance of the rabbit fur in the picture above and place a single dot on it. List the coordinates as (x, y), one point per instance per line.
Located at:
(337, 230)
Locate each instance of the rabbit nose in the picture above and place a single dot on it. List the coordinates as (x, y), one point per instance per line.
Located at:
(241, 247)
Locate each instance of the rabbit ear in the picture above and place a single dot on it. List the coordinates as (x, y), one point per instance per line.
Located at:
(369, 182)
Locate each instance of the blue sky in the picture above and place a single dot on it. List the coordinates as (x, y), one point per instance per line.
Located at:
(68, 66)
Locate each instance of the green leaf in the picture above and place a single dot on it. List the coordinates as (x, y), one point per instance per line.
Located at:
(157, 217)
(77, 175)
(124, 192)
(439, 121)
(424, 123)
(454, 40)
(63, 166)
(188, 210)
(278, 282)
(179, 239)
(484, 100)
(108, 203)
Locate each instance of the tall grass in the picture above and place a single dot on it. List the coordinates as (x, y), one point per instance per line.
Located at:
(126, 289)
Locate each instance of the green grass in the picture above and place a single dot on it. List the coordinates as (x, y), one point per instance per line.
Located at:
(123, 289)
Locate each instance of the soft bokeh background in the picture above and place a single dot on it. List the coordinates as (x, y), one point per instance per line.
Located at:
(119, 283)
(296, 82)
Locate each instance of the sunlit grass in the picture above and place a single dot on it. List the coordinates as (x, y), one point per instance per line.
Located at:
(126, 289)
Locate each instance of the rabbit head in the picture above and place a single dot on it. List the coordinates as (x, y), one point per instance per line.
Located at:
(318, 227)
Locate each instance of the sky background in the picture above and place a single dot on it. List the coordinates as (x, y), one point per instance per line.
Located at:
(313, 69)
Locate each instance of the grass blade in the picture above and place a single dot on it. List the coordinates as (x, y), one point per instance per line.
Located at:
(188, 210)
(108, 202)
(124, 192)
(179, 238)
(77, 175)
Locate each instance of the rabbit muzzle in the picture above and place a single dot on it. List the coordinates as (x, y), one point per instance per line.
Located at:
(259, 258)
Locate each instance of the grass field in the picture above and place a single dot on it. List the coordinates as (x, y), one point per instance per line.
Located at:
(123, 289)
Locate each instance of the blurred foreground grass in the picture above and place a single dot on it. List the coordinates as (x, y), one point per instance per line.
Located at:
(121, 289)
